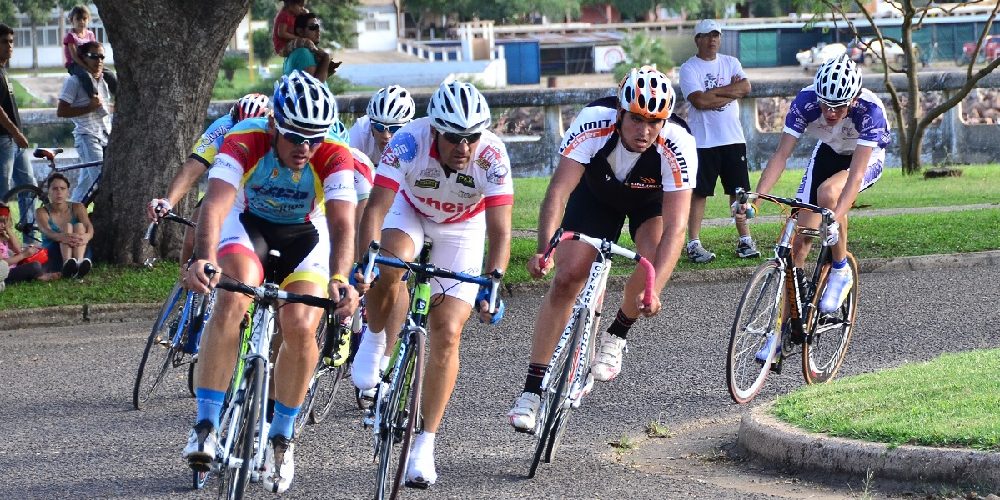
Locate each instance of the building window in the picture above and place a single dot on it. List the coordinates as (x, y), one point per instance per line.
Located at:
(376, 25)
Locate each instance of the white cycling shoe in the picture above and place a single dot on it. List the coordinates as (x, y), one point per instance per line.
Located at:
(420, 470)
(367, 361)
(524, 414)
(279, 464)
(609, 358)
(837, 288)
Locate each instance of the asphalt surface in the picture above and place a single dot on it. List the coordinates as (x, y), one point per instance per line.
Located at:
(70, 430)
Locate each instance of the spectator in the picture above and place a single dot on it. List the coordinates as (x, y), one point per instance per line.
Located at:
(79, 17)
(90, 115)
(15, 168)
(25, 264)
(712, 83)
(284, 28)
(66, 230)
(314, 62)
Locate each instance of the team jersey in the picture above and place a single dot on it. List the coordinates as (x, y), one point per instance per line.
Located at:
(410, 167)
(361, 138)
(209, 143)
(864, 125)
(671, 164)
(277, 193)
(363, 167)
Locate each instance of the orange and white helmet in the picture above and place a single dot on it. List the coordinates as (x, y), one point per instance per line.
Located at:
(647, 93)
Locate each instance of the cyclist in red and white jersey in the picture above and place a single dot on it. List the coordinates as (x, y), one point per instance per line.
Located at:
(388, 110)
(444, 177)
(621, 158)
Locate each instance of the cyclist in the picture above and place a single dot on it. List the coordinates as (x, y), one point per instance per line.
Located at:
(363, 167)
(275, 184)
(850, 123)
(621, 158)
(446, 177)
(388, 110)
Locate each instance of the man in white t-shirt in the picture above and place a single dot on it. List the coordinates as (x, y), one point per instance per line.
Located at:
(713, 83)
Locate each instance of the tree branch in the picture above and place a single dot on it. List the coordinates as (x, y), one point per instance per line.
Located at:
(979, 43)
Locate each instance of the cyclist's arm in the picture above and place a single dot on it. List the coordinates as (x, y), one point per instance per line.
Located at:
(676, 206)
(856, 173)
(564, 181)
(190, 172)
(498, 223)
(371, 222)
(216, 204)
(340, 220)
(776, 165)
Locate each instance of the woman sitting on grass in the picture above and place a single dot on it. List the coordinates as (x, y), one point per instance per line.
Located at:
(66, 230)
(23, 262)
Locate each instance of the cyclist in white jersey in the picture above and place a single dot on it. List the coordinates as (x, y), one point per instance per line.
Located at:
(850, 123)
(448, 178)
(621, 158)
(388, 110)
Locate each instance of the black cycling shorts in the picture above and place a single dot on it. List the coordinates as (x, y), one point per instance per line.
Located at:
(294, 241)
(728, 162)
(586, 214)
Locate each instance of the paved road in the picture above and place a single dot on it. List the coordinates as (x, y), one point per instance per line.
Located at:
(69, 429)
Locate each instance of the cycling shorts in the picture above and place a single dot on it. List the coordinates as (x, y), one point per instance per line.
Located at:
(826, 162)
(304, 247)
(728, 162)
(587, 214)
(458, 246)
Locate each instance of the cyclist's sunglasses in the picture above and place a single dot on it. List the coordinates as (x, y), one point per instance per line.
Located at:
(297, 139)
(382, 127)
(833, 106)
(95, 56)
(458, 138)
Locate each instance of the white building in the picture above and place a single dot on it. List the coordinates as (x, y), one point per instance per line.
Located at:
(378, 27)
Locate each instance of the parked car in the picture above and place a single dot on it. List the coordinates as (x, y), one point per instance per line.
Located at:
(989, 51)
(810, 59)
(872, 48)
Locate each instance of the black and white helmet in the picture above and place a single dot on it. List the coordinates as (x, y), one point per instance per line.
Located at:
(391, 105)
(303, 102)
(459, 108)
(837, 81)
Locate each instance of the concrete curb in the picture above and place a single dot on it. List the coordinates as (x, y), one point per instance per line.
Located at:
(16, 319)
(767, 439)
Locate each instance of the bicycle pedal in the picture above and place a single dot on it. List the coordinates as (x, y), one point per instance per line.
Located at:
(776, 366)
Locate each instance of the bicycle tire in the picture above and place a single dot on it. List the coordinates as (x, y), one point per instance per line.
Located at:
(548, 409)
(33, 196)
(570, 372)
(244, 449)
(157, 356)
(398, 422)
(829, 335)
(329, 381)
(758, 315)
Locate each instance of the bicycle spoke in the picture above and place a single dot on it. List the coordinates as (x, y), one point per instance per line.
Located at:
(757, 318)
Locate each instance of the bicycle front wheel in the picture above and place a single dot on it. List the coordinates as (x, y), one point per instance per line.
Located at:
(829, 335)
(240, 463)
(160, 350)
(399, 418)
(757, 319)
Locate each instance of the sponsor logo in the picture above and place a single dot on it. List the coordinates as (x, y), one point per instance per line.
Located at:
(645, 183)
(466, 194)
(427, 183)
(489, 156)
(403, 147)
(279, 192)
(431, 172)
(586, 131)
(497, 174)
(274, 173)
(447, 206)
(466, 180)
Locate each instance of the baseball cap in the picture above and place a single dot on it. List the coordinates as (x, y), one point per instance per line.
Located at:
(707, 26)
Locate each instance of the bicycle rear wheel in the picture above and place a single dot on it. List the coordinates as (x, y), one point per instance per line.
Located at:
(161, 349)
(399, 418)
(330, 376)
(829, 335)
(237, 470)
(26, 198)
(757, 318)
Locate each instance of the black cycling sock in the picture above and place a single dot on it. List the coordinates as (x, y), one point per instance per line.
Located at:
(269, 414)
(619, 328)
(533, 382)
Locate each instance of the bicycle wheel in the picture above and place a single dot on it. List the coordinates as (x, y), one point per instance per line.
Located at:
(758, 316)
(329, 379)
(236, 473)
(160, 349)
(553, 397)
(574, 369)
(829, 334)
(399, 418)
(26, 198)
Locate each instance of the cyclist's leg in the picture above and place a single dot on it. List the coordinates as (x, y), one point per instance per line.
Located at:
(825, 164)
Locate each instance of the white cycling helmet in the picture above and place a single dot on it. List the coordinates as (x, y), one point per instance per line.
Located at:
(646, 92)
(251, 106)
(837, 81)
(459, 108)
(338, 132)
(303, 102)
(391, 105)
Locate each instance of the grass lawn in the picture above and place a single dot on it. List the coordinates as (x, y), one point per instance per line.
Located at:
(24, 99)
(952, 400)
(104, 285)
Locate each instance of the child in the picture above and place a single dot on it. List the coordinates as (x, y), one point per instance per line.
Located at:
(79, 17)
(284, 38)
(23, 262)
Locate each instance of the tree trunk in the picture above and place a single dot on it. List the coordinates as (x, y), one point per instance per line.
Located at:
(34, 46)
(167, 55)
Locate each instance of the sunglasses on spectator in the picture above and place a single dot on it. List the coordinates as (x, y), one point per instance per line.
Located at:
(459, 138)
(95, 56)
(313, 27)
(382, 127)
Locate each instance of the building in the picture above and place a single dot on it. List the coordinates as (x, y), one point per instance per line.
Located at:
(379, 25)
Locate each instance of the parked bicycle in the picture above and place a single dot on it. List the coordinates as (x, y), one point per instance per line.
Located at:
(567, 379)
(173, 341)
(395, 416)
(30, 197)
(779, 317)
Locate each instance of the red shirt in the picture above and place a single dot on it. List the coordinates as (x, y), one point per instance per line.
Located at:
(288, 19)
(73, 40)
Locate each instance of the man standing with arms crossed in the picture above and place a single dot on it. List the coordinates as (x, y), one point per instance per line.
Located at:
(712, 83)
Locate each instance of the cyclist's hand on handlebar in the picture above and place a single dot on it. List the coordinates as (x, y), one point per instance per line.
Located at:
(832, 234)
(357, 279)
(483, 306)
(535, 266)
(746, 208)
(348, 298)
(652, 309)
(157, 208)
(197, 280)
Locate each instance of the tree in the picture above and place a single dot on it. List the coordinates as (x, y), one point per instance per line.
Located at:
(339, 18)
(643, 50)
(263, 47)
(911, 121)
(263, 9)
(164, 86)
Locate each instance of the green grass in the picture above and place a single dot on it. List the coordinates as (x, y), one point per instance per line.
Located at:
(952, 400)
(978, 184)
(26, 100)
(104, 285)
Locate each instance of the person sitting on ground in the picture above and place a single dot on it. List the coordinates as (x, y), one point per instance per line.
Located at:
(25, 263)
(66, 229)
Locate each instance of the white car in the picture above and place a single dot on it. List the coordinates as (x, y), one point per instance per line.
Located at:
(893, 52)
(812, 58)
